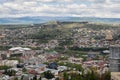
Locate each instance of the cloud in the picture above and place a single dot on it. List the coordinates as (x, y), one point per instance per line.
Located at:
(55, 0)
(81, 8)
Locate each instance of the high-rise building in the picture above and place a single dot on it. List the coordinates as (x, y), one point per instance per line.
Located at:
(115, 58)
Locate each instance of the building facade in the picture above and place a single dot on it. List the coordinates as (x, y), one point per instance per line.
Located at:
(115, 58)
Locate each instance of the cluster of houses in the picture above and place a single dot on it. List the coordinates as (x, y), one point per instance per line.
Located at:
(33, 61)
(84, 37)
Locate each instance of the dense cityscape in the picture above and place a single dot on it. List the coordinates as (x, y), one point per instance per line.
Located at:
(59, 39)
(60, 51)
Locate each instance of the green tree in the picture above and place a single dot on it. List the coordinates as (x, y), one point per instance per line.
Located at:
(16, 78)
(48, 75)
(108, 75)
(35, 77)
(10, 72)
(57, 79)
(22, 77)
(24, 70)
(65, 76)
(4, 67)
(40, 78)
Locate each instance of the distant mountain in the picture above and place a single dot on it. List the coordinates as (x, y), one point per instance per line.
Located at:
(27, 20)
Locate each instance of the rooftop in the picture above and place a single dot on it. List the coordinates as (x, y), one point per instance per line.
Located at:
(19, 49)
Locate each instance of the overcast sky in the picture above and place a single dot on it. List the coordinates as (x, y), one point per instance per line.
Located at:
(61, 8)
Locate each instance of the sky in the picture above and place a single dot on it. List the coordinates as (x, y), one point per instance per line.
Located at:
(60, 8)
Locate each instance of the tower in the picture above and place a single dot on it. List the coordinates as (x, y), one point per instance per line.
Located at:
(115, 58)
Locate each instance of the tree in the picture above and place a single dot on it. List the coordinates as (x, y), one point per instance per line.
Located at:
(57, 78)
(35, 77)
(108, 75)
(48, 75)
(22, 77)
(10, 72)
(40, 78)
(24, 70)
(4, 67)
(16, 78)
(65, 75)
(93, 76)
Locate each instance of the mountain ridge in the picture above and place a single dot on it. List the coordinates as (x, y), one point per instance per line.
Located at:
(43, 19)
